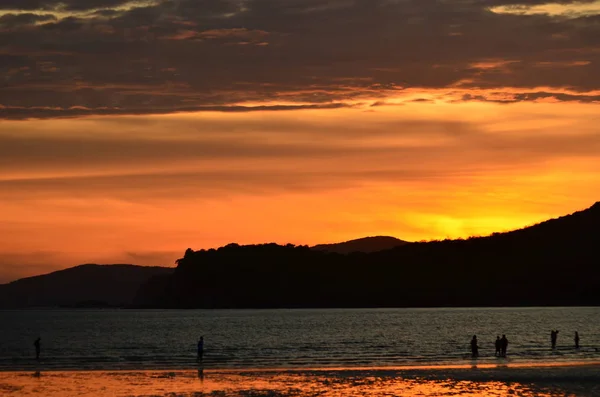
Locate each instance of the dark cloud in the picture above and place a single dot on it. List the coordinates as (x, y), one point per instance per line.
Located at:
(63, 5)
(534, 96)
(53, 112)
(14, 20)
(182, 54)
(37, 153)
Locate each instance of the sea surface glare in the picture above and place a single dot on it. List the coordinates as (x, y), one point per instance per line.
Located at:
(166, 339)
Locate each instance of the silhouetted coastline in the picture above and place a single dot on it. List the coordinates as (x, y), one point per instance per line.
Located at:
(535, 264)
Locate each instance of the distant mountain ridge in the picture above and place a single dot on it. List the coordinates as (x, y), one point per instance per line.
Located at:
(365, 244)
(555, 262)
(80, 286)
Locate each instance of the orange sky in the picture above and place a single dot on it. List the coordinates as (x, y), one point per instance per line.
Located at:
(132, 130)
(142, 189)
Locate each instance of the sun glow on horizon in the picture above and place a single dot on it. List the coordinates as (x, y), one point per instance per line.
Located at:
(145, 188)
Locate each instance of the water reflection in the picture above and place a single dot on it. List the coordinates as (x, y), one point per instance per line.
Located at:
(347, 383)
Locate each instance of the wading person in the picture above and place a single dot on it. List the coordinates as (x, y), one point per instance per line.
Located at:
(200, 348)
(498, 345)
(474, 347)
(553, 337)
(503, 346)
(38, 347)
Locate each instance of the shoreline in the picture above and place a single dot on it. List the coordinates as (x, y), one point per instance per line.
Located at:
(337, 369)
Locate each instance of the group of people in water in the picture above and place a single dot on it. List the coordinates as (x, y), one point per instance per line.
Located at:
(501, 344)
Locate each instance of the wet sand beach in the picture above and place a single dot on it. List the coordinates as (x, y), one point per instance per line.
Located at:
(572, 379)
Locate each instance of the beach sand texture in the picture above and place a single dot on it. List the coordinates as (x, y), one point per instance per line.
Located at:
(575, 379)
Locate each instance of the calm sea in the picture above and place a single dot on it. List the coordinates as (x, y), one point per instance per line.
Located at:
(153, 339)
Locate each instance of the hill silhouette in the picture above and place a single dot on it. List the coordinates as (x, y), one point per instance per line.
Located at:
(87, 285)
(552, 263)
(365, 244)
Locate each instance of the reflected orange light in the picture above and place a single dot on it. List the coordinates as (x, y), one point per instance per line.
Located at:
(354, 382)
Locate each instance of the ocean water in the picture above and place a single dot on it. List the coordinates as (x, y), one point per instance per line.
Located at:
(328, 338)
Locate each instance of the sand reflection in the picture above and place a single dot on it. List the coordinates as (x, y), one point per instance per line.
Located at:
(347, 383)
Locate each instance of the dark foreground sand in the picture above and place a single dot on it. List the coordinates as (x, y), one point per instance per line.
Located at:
(572, 379)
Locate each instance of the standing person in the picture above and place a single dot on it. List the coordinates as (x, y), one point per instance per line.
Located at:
(474, 347)
(200, 348)
(553, 336)
(498, 345)
(503, 345)
(38, 347)
(576, 340)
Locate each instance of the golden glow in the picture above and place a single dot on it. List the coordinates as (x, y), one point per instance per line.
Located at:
(142, 189)
(478, 123)
(568, 10)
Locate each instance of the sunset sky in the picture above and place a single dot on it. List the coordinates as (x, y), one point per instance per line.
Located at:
(132, 130)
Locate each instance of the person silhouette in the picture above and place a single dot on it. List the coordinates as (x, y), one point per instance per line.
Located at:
(576, 340)
(498, 345)
(200, 348)
(474, 347)
(503, 345)
(38, 347)
(553, 336)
